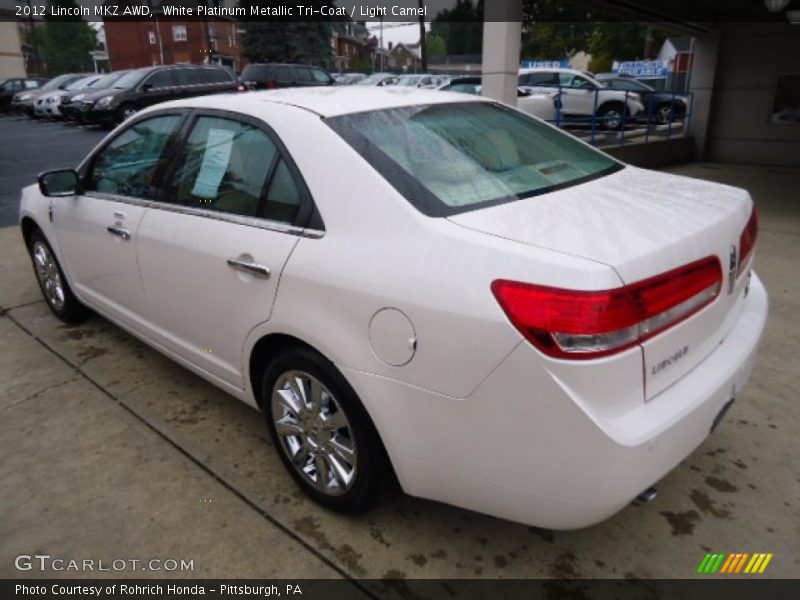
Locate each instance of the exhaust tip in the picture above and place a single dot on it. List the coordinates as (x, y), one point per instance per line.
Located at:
(648, 495)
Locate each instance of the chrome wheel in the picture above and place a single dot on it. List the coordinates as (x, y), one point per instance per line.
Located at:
(314, 432)
(49, 276)
(612, 119)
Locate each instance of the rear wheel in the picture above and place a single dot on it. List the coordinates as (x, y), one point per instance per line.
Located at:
(663, 114)
(324, 436)
(52, 282)
(610, 116)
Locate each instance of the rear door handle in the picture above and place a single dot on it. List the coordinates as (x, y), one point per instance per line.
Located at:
(250, 268)
(119, 231)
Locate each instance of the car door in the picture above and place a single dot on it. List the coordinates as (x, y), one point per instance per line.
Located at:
(578, 94)
(97, 228)
(211, 255)
(159, 86)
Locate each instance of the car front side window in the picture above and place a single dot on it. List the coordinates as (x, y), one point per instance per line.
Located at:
(133, 163)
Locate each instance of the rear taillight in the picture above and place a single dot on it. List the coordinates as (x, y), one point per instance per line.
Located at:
(579, 324)
(271, 85)
(747, 241)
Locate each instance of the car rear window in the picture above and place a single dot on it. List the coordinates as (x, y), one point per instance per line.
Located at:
(455, 157)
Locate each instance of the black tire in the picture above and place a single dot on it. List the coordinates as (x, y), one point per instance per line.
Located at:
(610, 116)
(664, 114)
(372, 469)
(123, 112)
(70, 309)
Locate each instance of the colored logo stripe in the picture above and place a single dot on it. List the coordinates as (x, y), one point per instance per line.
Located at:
(735, 563)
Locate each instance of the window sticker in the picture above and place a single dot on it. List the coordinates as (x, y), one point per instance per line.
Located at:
(216, 156)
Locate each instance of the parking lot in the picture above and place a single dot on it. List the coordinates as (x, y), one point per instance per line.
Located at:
(110, 450)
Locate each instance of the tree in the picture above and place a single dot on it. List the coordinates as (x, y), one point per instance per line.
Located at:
(67, 41)
(436, 45)
(277, 40)
(461, 27)
(621, 41)
(553, 30)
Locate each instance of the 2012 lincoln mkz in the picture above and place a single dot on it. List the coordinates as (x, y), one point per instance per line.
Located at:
(417, 285)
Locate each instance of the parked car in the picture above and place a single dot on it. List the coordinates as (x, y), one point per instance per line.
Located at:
(24, 101)
(71, 101)
(349, 78)
(661, 107)
(270, 76)
(430, 82)
(538, 105)
(10, 87)
(582, 96)
(49, 105)
(141, 88)
(380, 80)
(508, 319)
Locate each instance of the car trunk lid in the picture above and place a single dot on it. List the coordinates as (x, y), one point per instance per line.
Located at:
(641, 224)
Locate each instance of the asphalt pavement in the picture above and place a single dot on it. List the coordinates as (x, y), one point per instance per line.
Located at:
(28, 147)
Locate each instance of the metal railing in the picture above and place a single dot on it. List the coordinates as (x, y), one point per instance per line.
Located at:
(630, 128)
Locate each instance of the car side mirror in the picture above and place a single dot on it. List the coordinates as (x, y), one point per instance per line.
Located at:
(521, 93)
(63, 182)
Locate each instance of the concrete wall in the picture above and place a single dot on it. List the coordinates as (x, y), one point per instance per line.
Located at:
(11, 61)
(751, 55)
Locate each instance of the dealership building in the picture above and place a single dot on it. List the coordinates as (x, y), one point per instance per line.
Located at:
(745, 79)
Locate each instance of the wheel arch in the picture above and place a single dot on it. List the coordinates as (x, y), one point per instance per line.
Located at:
(28, 226)
(269, 347)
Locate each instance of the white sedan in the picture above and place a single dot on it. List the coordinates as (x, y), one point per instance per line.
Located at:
(410, 282)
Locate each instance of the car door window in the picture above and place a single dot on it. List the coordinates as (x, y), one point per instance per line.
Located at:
(283, 196)
(621, 84)
(580, 83)
(217, 76)
(224, 166)
(161, 79)
(31, 84)
(540, 79)
(302, 74)
(133, 163)
(283, 75)
(190, 77)
(320, 76)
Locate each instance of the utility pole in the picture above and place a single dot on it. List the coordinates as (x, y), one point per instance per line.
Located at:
(423, 46)
(380, 45)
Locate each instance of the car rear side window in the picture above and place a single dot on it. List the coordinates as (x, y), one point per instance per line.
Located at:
(162, 79)
(133, 162)
(217, 76)
(454, 157)
(190, 76)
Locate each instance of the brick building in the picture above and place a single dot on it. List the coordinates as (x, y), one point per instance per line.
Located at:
(133, 44)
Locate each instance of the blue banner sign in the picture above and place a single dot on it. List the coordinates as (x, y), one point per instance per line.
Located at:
(545, 64)
(642, 68)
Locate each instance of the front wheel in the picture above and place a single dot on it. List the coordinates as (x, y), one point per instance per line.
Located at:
(126, 111)
(324, 436)
(52, 282)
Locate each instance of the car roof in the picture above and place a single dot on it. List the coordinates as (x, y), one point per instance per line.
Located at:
(324, 101)
(527, 70)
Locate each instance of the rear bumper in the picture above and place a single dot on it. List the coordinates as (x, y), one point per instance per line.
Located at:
(523, 447)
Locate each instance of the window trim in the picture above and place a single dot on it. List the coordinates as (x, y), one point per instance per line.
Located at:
(308, 219)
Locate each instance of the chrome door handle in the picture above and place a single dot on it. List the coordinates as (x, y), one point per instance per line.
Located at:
(249, 267)
(123, 233)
